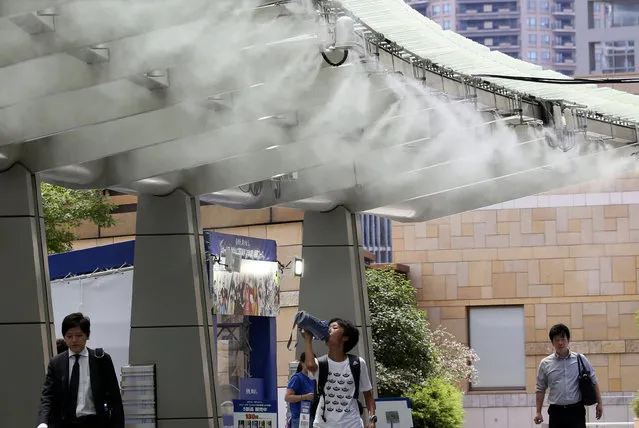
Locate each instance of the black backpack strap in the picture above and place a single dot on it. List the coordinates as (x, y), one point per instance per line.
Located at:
(322, 379)
(322, 373)
(353, 360)
(99, 352)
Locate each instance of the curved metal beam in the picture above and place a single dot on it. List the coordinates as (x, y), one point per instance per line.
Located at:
(35, 119)
(506, 188)
(140, 146)
(320, 166)
(179, 45)
(465, 172)
(334, 180)
(395, 186)
(84, 23)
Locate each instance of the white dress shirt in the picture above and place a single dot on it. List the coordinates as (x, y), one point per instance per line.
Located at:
(85, 405)
(85, 396)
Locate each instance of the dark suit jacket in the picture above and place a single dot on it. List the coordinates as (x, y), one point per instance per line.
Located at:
(104, 388)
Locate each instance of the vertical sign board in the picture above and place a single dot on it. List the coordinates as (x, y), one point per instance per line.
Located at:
(254, 290)
(255, 414)
(252, 389)
(305, 414)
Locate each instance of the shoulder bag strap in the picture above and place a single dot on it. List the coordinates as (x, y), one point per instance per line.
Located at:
(581, 366)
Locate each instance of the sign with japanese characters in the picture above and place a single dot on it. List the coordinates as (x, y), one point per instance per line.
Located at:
(255, 414)
(244, 246)
(251, 389)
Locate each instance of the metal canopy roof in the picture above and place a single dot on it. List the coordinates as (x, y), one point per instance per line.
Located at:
(416, 33)
(232, 100)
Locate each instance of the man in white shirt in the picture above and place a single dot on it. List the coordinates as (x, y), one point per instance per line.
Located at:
(81, 388)
(559, 373)
(338, 405)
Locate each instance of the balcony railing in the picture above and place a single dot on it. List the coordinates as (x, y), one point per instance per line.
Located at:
(477, 14)
(566, 63)
(564, 45)
(509, 47)
(494, 30)
(559, 28)
(482, 1)
(558, 10)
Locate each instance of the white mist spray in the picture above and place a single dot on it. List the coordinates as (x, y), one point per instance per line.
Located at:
(254, 77)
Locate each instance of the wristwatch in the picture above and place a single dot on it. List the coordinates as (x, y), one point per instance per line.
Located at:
(372, 419)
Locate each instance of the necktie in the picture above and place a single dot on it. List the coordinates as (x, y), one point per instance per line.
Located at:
(74, 386)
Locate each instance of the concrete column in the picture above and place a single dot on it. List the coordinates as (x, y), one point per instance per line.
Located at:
(26, 316)
(334, 281)
(171, 323)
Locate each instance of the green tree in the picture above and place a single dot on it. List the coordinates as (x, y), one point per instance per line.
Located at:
(65, 209)
(404, 354)
(410, 359)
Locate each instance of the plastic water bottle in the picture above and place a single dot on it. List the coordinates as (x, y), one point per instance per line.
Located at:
(318, 328)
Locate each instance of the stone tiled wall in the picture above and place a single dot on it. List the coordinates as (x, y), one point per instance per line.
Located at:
(518, 410)
(574, 262)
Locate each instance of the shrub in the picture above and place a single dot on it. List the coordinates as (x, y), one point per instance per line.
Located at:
(635, 405)
(437, 404)
(454, 361)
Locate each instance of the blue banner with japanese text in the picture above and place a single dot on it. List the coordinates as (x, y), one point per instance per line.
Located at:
(244, 246)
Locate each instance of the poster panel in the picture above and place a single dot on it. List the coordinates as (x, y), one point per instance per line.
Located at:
(254, 290)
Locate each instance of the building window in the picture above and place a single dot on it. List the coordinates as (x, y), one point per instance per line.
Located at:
(532, 56)
(544, 22)
(544, 6)
(545, 56)
(613, 57)
(446, 8)
(446, 24)
(532, 23)
(436, 10)
(532, 5)
(613, 13)
(488, 328)
(377, 237)
(532, 39)
(545, 39)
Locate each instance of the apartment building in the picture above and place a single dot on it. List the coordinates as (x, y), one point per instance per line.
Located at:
(608, 36)
(545, 32)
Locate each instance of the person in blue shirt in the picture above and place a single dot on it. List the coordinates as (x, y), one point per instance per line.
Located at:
(300, 388)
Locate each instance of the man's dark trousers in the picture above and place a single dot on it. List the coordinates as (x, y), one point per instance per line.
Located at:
(571, 416)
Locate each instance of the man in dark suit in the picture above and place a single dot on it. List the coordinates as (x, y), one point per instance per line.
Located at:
(81, 388)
